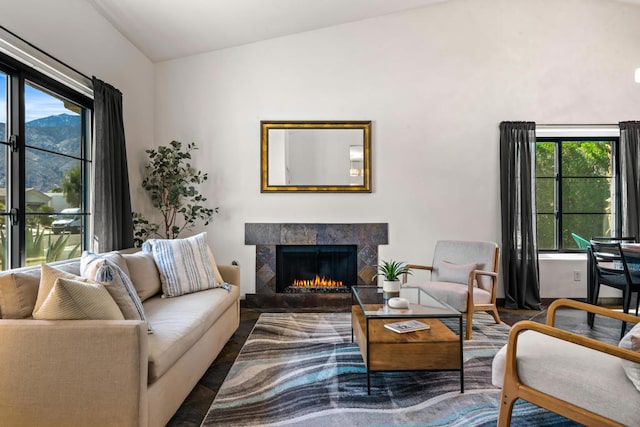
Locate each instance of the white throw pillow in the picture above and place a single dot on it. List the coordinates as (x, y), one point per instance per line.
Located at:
(184, 264)
(91, 261)
(631, 341)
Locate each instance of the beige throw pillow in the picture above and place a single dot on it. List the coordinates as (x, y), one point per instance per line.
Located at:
(48, 277)
(144, 274)
(71, 299)
(18, 294)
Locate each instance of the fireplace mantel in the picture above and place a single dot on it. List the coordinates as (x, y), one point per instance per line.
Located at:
(266, 236)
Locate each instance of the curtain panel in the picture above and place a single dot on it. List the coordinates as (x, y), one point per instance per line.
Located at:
(112, 223)
(630, 177)
(520, 271)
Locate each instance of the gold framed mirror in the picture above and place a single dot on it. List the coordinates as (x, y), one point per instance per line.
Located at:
(315, 156)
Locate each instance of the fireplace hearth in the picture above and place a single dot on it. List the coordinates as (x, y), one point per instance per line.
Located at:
(274, 292)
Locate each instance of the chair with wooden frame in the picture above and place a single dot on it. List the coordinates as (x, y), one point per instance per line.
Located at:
(464, 274)
(580, 378)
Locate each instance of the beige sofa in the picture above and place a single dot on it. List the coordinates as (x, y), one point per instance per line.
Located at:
(112, 372)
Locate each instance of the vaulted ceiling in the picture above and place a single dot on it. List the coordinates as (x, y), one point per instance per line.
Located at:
(169, 29)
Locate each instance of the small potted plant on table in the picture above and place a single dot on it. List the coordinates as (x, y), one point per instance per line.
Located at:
(391, 271)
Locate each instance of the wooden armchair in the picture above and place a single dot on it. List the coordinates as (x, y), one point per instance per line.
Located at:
(577, 377)
(464, 274)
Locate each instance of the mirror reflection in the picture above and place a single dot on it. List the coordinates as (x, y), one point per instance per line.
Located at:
(315, 156)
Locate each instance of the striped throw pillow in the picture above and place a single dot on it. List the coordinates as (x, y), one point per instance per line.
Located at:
(183, 264)
(103, 268)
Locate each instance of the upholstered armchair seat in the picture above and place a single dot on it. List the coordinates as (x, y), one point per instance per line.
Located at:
(544, 360)
(455, 294)
(586, 380)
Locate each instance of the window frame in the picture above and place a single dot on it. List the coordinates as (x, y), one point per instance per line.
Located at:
(19, 74)
(615, 177)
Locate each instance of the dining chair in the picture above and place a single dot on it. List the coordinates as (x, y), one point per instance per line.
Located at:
(634, 265)
(621, 239)
(581, 242)
(611, 268)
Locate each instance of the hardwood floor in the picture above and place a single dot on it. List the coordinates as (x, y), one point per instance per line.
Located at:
(196, 405)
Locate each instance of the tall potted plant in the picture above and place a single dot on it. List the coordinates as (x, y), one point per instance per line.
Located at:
(391, 271)
(170, 180)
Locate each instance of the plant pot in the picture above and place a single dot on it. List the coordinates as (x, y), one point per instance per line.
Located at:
(391, 287)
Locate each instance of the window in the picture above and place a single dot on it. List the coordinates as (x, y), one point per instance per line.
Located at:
(44, 167)
(576, 190)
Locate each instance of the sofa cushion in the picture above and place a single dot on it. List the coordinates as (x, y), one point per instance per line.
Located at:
(144, 274)
(71, 299)
(599, 377)
(184, 264)
(631, 341)
(48, 277)
(180, 322)
(18, 293)
(90, 262)
(455, 294)
(103, 269)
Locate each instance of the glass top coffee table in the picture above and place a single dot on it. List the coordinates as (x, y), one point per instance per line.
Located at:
(438, 348)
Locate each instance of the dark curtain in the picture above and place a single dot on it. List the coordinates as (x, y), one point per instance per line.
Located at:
(517, 192)
(113, 224)
(630, 177)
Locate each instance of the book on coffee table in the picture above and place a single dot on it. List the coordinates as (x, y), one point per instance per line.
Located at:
(406, 326)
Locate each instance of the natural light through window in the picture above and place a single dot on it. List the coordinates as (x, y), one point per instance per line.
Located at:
(44, 168)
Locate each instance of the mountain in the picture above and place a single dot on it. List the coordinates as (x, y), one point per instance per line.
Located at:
(56, 134)
(56, 121)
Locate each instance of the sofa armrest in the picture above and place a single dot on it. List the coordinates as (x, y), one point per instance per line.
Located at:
(230, 273)
(73, 372)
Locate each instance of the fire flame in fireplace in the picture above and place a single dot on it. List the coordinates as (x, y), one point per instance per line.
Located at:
(317, 282)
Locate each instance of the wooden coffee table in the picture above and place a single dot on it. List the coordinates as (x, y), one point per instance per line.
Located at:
(435, 349)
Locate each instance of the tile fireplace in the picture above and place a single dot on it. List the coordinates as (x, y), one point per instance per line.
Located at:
(327, 259)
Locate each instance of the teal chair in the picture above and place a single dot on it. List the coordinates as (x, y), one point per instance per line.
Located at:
(582, 243)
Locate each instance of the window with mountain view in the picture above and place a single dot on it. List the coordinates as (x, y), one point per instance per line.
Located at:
(575, 190)
(44, 167)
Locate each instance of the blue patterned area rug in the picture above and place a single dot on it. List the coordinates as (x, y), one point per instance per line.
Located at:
(301, 369)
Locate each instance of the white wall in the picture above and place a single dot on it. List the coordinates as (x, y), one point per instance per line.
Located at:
(73, 32)
(435, 81)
